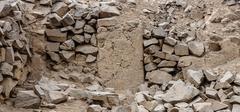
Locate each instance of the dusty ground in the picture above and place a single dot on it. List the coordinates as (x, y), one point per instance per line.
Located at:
(227, 57)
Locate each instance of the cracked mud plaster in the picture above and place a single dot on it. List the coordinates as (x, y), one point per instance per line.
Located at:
(120, 58)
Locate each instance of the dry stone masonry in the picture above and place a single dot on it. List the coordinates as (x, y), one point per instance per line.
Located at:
(119, 56)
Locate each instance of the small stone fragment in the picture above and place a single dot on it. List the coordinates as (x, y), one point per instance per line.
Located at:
(89, 29)
(68, 45)
(60, 8)
(194, 76)
(6, 69)
(8, 84)
(107, 11)
(67, 55)
(9, 55)
(90, 59)
(171, 41)
(158, 77)
(211, 93)
(52, 46)
(78, 38)
(56, 97)
(80, 24)
(87, 49)
(167, 49)
(210, 75)
(106, 22)
(56, 35)
(181, 49)
(54, 56)
(27, 99)
(203, 107)
(67, 20)
(152, 49)
(235, 108)
(166, 63)
(196, 48)
(159, 32)
(150, 67)
(152, 41)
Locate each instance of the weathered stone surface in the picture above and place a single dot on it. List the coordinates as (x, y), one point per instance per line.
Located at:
(68, 45)
(106, 22)
(203, 107)
(2, 54)
(108, 11)
(159, 32)
(90, 59)
(6, 69)
(226, 77)
(54, 56)
(54, 19)
(158, 77)
(78, 38)
(60, 8)
(159, 108)
(181, 49)
(94, 108)
(194, 76)
(87, 49)
(67, 55)
(237, 79)
(67, 20)
(87, 37)
(5, 8)
(166, 63)
(210, 92)
(150, 67)
(79, 24)
(180, 92)
(210, 75)
(235, 107)
(9, 55)
(27, 99)
(56, 35)
(235, 99)
(152, 49)
(171, 41)
(77, 93)
(196, 48)
(56, 97)
(8, 84)
(139, 98)
(167, 49)
(52, 46)
(89, 29)
(160, 54)
(109, 99)
(150, 42)
(216, 105)
(172, 57)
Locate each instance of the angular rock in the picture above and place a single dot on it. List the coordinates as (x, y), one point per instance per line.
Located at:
(109, 99)
(5, 8)
(211, 93)
(6, 69)
(181, 49)
(203, 107)
(210, 75)
(227, 77)
(158, 77)
(60, 8)
(56, 97)
(159, 32)
(54, 56)
(78, 38)
(235, 99)
(87, 37)
(9, 55)
(180, 92)
(67, 55)
(8, 84)
(52, 46)
(67, 20)
(94, 108)
(166, 63)
(27, 99)
(159, 108)
(235, 108)
(77, 93)
(55, 20)
(150, 67)
(39, 91)
(93, 40)
(56, 35)
(172, 57)
(89, 29)
(194, 76)
(107, 11)
(139, 98)
(150, 105)
(167, 49)
(87, 49)
(2, 54)
(196, 48)
(90, 59)
(216, 105)
(68, 45)
(160, 54)
(237, 79)
(152, 49)
(152, 41)
(80, 24)
(170, 41)
(142, 109)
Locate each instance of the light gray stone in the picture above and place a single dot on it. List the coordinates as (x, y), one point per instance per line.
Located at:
(196, 48)
(194, 76)
(158, 77)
